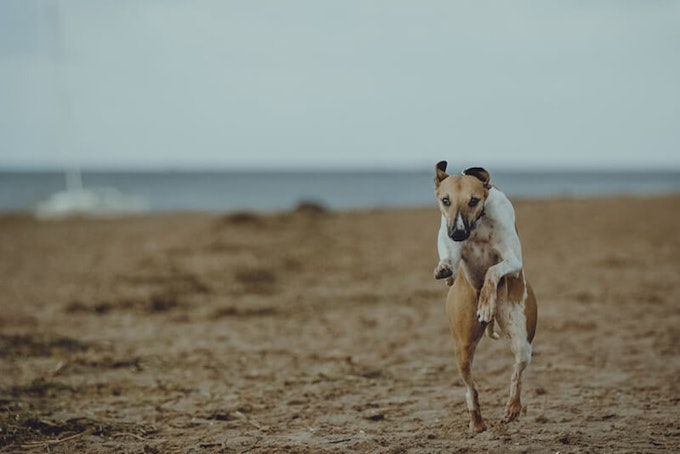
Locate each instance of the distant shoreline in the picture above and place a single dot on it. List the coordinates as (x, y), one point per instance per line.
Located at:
(229, 191)
(320, 210)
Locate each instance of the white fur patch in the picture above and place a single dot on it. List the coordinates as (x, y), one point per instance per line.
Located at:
(460, 225)
(469, 399)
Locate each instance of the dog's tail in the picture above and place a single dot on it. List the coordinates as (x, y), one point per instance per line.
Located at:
(491, 330)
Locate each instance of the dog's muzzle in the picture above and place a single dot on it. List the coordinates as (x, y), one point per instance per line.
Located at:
(460, 230)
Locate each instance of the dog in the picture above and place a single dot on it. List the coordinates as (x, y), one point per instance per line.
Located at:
(481, 259)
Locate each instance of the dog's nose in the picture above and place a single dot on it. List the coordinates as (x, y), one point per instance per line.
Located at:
(459, 235)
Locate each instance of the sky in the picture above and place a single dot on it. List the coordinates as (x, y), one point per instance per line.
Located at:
(179, 84)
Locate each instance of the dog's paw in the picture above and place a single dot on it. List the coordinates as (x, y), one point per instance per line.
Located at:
(491, 330)
(512, 411)
(485, 313)
(443, 271)
(477, 425)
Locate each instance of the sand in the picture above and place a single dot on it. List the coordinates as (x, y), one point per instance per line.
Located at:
(313, 332)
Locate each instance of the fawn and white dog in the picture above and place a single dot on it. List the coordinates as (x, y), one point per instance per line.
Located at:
(481, 258)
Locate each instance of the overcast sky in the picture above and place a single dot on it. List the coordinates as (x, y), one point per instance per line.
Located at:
(234, 84)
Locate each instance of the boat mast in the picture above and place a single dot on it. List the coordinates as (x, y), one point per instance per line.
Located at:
(64, 123)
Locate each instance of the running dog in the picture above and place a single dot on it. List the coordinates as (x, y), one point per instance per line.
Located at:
(481, 258)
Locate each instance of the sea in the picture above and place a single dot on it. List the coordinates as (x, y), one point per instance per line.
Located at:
(271, 191)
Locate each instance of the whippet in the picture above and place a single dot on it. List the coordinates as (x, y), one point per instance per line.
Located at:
(481, 258)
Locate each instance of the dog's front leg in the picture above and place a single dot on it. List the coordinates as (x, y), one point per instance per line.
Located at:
(449, 255)
(486, 306)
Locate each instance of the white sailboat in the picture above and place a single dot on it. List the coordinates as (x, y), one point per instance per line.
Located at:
(77, 200)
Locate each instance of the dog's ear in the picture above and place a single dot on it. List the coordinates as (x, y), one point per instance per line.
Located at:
(479, 173)
(440, 173)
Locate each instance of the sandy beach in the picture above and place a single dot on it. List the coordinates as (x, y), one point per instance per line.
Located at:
(314, 331)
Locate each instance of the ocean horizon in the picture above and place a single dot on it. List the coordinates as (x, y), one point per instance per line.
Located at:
(228, 191)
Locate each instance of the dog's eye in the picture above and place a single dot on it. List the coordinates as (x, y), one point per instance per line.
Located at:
(473, 202)
(446, 201)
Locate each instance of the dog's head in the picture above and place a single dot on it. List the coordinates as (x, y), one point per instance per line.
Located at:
(461, 198)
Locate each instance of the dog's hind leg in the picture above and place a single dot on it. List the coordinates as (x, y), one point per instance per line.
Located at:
(519, 324)
(464, 356)
(461, 307)
(522, 352)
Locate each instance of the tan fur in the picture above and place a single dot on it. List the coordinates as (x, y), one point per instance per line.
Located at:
(531, 313)
(461, 308)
